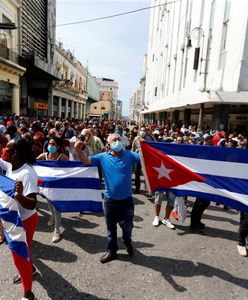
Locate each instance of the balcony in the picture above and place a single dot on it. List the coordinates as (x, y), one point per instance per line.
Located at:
(8, 54)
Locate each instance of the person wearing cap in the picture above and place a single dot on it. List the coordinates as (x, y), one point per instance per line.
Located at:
(117, 166)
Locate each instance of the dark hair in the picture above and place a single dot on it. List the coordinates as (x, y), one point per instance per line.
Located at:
(24, 151)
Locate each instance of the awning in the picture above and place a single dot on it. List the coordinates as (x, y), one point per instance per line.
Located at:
(194, 98)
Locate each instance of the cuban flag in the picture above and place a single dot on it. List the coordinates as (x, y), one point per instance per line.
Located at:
(212, 173)
(69, 185)
(12, 224)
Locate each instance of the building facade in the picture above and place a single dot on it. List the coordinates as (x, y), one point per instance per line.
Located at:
(197, 66)
(93, 89)
(69, 95)
(10, 70)
(137, 101)
(109, 95)
(37, 20)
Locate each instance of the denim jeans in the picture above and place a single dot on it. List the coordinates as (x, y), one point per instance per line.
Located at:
(122, 212)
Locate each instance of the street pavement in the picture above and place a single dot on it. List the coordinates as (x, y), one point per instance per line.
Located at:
(168, 264)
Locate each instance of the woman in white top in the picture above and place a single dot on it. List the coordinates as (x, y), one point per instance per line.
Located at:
(54, 153)
(18, 168)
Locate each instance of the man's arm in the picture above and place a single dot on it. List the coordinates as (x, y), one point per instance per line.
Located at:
(82, 157)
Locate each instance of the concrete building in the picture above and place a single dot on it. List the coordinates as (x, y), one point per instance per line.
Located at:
(93, 90)
(197, 66)
(109, 93)
(37, 20)
(119, 110)
(10, 70)
(137, 102)
(69, 95)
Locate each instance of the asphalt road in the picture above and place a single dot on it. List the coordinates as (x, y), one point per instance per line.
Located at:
(168, 264)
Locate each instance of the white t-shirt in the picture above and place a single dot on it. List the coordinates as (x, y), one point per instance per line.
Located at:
(29, 179)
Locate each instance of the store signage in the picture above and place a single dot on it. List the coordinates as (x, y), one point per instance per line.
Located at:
(40, 105)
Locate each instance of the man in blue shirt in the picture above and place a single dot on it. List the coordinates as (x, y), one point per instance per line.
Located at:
(117, 166)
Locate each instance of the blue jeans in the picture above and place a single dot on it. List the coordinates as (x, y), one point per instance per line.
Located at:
(122, 212)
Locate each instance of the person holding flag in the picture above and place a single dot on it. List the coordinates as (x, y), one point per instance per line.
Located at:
(18, 168)
(117, 166)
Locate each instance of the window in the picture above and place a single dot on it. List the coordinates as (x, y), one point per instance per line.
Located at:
(6, 20)
(222, 58)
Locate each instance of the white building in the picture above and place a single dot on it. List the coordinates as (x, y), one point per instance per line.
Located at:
(197, 67)
(69, 94)
(109, 92)
(137, 102)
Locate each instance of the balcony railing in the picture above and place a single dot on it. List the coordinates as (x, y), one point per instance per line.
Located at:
(9, 54)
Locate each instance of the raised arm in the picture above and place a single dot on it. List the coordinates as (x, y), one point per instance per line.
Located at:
(82, 157)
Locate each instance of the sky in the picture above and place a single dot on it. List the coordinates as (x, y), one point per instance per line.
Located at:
(111, 48)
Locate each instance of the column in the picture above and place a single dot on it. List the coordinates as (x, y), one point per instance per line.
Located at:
(15, 103)
(175, 117)
(76, 115)
(59, 107)
(84, 114)
(200, 117)
(66, 108)
(187, 116)
(80, 111)
(220, 116)
(72, 109)
(50, 102)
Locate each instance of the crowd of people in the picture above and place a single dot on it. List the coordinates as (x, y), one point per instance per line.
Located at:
(113, 147)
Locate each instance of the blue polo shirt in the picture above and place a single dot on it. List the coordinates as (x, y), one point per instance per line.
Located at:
(117, 172)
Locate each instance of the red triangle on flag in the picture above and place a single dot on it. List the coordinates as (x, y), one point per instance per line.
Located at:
(40, 182)
(163, 171)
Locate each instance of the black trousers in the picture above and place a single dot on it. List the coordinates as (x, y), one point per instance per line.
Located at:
(243, 228)
(199, 206)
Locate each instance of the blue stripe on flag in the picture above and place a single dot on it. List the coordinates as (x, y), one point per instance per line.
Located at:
(10, 216)
(20, 248)
(202, 152)
(235, 185)
(77, 206)
(70, 183)
(7, 185)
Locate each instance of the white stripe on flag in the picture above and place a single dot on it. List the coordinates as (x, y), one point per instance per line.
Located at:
(213, 167)
(205, 188)
(71, 194)
(77, 172)
(15, 233)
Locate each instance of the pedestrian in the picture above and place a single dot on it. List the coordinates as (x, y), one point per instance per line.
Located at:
(169, 197)
(243, 233)
(117, 166)
(18, 168)
(54, 153)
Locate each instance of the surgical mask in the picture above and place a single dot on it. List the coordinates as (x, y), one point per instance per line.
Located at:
(142, 133)
(51, 149)
(117, 146)
(118, 132)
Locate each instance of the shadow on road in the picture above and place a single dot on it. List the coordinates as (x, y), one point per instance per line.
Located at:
(57, 287)
(170, 267)
(210, 232)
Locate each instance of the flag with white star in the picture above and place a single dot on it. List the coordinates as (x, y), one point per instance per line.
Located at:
(211, 173)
